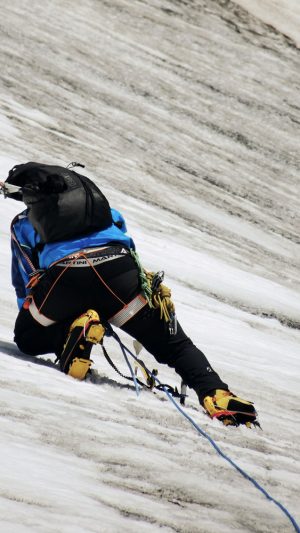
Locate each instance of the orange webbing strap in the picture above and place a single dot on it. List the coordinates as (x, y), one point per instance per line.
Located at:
(74, 258)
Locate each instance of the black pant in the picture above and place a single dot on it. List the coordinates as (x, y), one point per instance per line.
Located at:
(64, 295)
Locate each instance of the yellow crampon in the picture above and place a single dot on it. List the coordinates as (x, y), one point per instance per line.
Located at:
(79, 368)
(230, 409)
(92, 327)
(84, 332)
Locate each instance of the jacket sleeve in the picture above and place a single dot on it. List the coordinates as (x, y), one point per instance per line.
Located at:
(23, 241)
(18, 280)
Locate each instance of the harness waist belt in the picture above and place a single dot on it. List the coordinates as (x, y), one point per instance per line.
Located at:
(93, 256)
(127, 312)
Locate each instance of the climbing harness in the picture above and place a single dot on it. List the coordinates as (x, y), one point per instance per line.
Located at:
(89, 257)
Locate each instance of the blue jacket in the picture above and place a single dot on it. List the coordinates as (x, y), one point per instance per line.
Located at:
(27, 257)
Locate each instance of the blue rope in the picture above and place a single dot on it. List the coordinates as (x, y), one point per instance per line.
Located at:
(206, 436)
(230, 461)
(124, 348)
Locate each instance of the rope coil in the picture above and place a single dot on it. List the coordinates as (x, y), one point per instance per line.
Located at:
(157, 295)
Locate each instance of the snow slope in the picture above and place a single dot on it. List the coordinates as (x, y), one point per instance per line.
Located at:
(186, 113)
(284, 15)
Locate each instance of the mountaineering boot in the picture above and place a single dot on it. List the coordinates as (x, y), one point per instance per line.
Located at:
(230, 409)
(84, 332)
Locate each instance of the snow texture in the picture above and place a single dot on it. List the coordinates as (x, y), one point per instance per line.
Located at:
(186, 113)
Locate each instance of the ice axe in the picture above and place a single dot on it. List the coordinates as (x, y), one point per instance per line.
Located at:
(7, 189)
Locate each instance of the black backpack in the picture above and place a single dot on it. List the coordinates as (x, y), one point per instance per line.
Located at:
(62, 204)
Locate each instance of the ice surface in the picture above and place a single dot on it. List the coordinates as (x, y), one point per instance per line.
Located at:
(284, 15)
(187, 114)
